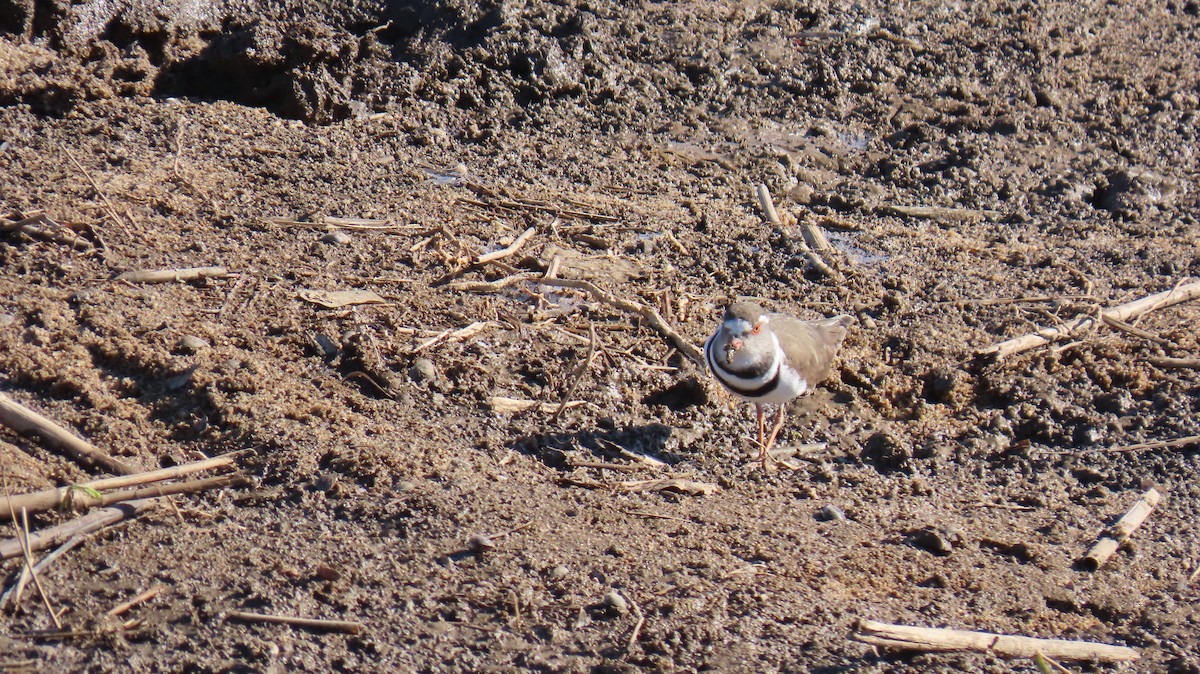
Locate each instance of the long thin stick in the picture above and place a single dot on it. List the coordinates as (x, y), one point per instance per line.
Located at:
(347, 626)
(49, 499)
(1176, 363)
(153, 491)
(23, 539)
(80, 496)
(1122, 313)
(172, 275)
(108, 205)
(578, 373)
(904, 637)
(24, 420)
(651, 314)
(94, 521)
(1120, 532)
(142, 598)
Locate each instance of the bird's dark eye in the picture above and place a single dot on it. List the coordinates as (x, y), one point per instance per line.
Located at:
(756, 329)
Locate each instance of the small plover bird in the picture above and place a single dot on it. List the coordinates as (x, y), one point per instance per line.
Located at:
(772, 358)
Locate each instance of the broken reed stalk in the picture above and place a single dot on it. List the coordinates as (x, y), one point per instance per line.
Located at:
(651, 314)
(903, 637)
(1121, 313)
(23, 540)
(24, 420)
(1120, 532)
(82, 500)
(347, 626)
(173, 275)
(79, 526)
(811, 237)
(77, 494)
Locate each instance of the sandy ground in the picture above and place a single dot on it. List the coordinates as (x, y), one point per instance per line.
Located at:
(982, 170)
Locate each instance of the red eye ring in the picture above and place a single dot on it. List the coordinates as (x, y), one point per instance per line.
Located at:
(756, 329)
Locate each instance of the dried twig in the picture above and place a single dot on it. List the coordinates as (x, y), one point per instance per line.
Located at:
(1133, 330)
(24, 420)
(1123, 312)
(1176, 363)
(108, 205)
(637, 627)
(142, 598)
(77, 495)
(936, 640)
(814, 258)
(38, 225)
(23, 539)
(511, 249)
(347, 626)
(1120, 532)
(173, 275)
(577, 374)
(455, 335)
(651, 314)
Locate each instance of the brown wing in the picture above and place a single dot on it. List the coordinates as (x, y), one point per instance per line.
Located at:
(811, 345)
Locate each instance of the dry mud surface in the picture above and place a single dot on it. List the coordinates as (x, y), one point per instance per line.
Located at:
(1059, 139)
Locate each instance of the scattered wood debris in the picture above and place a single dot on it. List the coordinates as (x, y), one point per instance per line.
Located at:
(936, 640)
(93, 521)
(813, 239)
(1120, 532)
(1123, 313)
(38, 225)
(649, 313)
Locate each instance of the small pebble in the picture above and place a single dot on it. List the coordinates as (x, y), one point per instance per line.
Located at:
(480, 543)
(337, 236)
(422, 370)
(616, 602)
(558, 573)
(192, 344)
(831, 513)
(7, 320)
